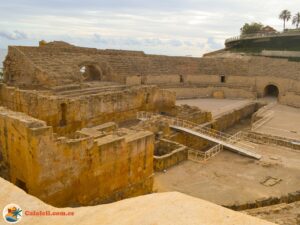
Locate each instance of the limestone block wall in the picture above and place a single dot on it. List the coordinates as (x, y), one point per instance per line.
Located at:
(291, 99)
(228, 119)
(208, 91)
(63, 63)
(191, 141)
(82, 111)
(18, 68)
(169, 154)
(166, 79)
(249, 66)
(245, 76)
(202, 79)
(134, 80)
(102, 170)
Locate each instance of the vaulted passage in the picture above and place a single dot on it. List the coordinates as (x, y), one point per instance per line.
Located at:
(91, 72)
(271, 91)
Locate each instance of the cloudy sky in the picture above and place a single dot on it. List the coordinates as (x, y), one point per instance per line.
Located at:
(172, 27)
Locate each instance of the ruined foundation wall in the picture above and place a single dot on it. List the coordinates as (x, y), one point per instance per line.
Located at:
(102, 170)
(85, 111)
(228, 119)
(174, 154)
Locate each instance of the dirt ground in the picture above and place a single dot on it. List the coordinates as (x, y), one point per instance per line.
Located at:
(215, 106)
(230, 178)
(285, 122)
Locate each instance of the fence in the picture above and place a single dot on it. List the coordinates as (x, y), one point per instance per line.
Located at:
(198, 156)
(235, 139)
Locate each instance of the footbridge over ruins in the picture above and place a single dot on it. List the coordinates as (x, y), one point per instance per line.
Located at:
(231, 142)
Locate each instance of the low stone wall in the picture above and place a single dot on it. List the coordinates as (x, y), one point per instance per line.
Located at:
(291, 99)
(208, 91)
(176, 154)
(271, 139)
(191, 141)
(228, 119)
(190, 113)
(288, 198)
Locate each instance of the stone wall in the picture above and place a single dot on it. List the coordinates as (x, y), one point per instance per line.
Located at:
(244, 76)
(167, 154)
(103, 170)
(288, 198)
(271, 139)
(86, 110)
(228, 119)
(208, 91)
(191, 141)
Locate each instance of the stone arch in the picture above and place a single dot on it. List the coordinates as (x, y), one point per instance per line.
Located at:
(271, 90)
(94, 71)
(90, 72)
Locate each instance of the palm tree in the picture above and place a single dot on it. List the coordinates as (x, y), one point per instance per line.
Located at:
(285, 15)
(296, 20)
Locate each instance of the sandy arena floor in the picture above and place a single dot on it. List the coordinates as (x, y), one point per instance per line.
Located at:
(285, 122)
(230, 178)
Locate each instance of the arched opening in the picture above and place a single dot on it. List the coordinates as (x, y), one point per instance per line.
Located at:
(90, 72)
(271, 91)
(63, 111)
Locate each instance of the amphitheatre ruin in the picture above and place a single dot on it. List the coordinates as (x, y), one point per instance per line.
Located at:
(83, 127)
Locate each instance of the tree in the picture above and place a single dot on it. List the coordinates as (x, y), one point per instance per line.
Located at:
(285, 15)
(296, 20)
(251, 28)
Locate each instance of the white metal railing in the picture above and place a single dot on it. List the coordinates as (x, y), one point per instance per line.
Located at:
(267, 117)
(199, 156)
(261, 35)
(235, 139)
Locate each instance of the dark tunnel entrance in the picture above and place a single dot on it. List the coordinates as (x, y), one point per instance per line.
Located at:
(271, 91)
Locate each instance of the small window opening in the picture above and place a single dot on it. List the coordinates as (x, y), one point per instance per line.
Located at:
(223, 79)
(63, 109)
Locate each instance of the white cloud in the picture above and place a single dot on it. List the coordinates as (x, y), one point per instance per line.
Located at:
(173, 27)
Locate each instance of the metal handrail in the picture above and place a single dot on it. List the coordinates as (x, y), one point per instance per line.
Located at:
(231, 139)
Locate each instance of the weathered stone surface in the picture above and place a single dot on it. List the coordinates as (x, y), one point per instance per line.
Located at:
(103, 169)
(163, 208)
